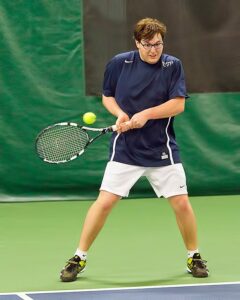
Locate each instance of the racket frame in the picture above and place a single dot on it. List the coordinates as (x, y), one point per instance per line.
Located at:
(101, 131)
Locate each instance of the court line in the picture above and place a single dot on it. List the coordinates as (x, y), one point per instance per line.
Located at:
(23, 296)
(119, 289)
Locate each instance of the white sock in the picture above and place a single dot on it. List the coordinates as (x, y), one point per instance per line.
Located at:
(192, 252)
(81, 254)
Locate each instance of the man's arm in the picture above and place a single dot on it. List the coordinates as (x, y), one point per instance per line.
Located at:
(170, 108)
(111, 105)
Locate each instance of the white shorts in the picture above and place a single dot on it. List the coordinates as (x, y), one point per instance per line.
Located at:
(166, 181)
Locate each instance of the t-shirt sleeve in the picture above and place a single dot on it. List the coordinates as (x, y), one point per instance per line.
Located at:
(110, 78)
(177, 86)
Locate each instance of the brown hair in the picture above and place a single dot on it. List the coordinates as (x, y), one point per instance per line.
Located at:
(146, 28)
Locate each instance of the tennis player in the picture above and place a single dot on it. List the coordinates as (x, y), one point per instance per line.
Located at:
(144, 89)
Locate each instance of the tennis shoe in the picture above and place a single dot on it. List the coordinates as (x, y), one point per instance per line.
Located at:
(74, 266)
(197, 266)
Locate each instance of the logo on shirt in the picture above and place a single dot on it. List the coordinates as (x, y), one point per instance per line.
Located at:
(128, 61)
(164, 155)
(167, 63)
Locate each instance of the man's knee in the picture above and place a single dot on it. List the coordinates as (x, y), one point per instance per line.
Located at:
(180, 203)
(106, 201)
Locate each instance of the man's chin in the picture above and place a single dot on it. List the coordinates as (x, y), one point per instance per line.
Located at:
(153, 60)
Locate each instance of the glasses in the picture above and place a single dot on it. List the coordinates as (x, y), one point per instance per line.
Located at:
(148, 46)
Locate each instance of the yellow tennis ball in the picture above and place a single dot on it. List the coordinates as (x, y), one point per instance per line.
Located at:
(89, 118)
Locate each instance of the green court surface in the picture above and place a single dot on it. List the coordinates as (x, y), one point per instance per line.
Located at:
(139, 246)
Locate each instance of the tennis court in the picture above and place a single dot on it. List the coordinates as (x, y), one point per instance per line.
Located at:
(181, 292)
(37, 237)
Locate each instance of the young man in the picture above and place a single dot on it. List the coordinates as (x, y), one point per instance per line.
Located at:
(144, 89)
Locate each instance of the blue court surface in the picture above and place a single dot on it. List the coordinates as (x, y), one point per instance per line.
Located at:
(218, 291)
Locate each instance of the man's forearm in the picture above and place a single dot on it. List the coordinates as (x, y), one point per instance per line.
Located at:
(170, 108)
(111, 105)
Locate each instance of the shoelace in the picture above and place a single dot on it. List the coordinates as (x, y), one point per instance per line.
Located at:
(200, 263)
(72, 262)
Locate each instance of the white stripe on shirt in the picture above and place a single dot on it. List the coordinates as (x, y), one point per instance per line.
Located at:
(168, 140)
(114, 146)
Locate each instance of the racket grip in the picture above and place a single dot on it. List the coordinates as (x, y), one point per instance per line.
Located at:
(114, 128)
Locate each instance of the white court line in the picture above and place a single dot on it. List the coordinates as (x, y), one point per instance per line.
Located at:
(23, 294)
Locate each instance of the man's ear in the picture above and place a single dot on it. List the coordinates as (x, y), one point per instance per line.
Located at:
(137, 44)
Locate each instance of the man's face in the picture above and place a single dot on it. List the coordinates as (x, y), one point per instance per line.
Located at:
(150, 51)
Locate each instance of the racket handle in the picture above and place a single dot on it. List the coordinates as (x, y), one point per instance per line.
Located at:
(114, 127)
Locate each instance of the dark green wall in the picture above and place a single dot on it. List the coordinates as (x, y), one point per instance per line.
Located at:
(42, 82)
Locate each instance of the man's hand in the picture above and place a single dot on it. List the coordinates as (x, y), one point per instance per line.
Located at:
(137, 121)
(122, 119)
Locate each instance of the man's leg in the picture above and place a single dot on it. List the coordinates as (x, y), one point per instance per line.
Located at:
(185, 219)
(96, 217)
(187, 225)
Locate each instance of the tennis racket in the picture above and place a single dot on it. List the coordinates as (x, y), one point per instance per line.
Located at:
(63, 142)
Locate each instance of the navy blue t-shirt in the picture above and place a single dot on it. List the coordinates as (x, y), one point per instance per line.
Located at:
(137, 85)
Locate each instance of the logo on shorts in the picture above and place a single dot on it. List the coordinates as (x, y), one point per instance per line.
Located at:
(164, 155)
(182, 186)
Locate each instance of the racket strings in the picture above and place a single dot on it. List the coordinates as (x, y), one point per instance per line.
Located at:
(61, 143)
